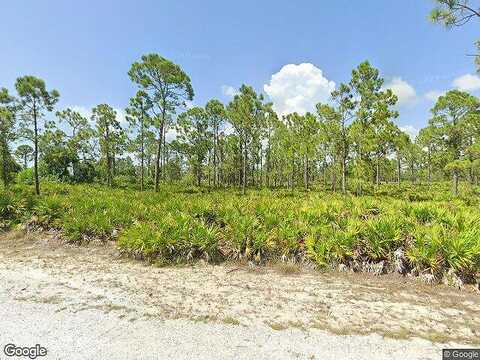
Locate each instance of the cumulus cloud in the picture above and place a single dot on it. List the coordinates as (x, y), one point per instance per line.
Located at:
(229, 91)
(410, 130)
(467, 82)
(405, 92)
(433, 95)
(298, 88)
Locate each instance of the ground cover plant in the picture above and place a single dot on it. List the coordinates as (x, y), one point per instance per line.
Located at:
(436, 237)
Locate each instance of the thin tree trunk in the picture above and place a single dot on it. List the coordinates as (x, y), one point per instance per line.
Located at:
(455, 183)
(399, 170)
(334, 177)
(292, 173)
(5, 159)
(305, 172)
(164, 153)
(267, 165)
(429, 167)
(157, 158)
(108, 156)
(142, 153)
(244, 182)
(114, 164)
(215, 169)
(35, 150)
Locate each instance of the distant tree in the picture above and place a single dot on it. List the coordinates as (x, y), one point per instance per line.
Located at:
(7, 134)
(428, 140)
(284, 149)
(305, 130)
(413, 156)
(24, 153)
(385, 135)
(401, 143)
(34, 100)
(194, 137)
(216, 114)
(344, 106)
(140, 122)
(167, 87)
(107, 130)
(79, 141)
(472, 140)
(56, 157)
(246, 113)
(372, 113)
(450, 115)
(271, 124)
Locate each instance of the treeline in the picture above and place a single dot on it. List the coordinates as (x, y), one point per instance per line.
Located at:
(346, 145)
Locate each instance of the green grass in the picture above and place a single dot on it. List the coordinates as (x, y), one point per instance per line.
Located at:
(177, 224)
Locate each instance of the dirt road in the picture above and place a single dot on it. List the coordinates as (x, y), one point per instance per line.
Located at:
(89, 302)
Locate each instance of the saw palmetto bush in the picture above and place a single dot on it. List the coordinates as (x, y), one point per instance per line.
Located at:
(436, 233)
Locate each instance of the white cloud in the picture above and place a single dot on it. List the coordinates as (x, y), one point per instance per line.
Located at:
(228, 129)
(467, 82)
(171, 134)
(189, 104)
(405, 92)
(433, 95)
(87, 113)
(229, 91)
(298, 88)
(410, 130)
(121, 117)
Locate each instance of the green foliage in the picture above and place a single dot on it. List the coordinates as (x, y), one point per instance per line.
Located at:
(180, 224)
(25, 177)
(34, 100)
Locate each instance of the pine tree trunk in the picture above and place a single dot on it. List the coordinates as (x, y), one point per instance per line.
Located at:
(399, 170)
(157, 158)
(305, 172)
(455, 183)
(244, 180)
(35, 151)
(5, 159)
(142, 154)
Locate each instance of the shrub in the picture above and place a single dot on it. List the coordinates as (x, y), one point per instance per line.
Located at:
(176, 225)
(26, 177)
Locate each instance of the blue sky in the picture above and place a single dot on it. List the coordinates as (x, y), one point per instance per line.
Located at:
(85, 48)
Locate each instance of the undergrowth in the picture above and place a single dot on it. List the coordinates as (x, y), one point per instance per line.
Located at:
(434, 231)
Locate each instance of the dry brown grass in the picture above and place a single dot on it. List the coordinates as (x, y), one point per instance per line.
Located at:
(287, 268)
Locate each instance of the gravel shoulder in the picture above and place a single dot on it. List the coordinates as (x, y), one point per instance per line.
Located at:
(90, 302)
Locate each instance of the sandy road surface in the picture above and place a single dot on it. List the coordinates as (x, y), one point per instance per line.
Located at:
(88, 302)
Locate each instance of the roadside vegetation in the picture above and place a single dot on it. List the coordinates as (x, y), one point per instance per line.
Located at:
(341, 186)
(419, 230)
